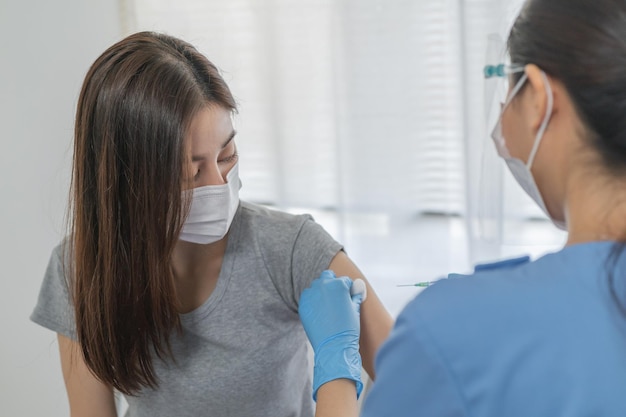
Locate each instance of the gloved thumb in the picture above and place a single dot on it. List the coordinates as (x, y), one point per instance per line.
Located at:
(358, 293)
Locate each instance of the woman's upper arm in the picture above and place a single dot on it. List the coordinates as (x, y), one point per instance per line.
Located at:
(376, 323)
(87, 396)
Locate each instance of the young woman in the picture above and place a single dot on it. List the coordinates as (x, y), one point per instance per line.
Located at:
(168, 289)
(519, 338)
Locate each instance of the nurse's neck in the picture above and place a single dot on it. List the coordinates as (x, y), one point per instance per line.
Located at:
(595, 205)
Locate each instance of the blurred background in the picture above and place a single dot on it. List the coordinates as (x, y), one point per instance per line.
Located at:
(369, 114)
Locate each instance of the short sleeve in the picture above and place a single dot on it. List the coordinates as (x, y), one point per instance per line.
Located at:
(294, 248)
(54, 310)
(412, 378)
(313, 251)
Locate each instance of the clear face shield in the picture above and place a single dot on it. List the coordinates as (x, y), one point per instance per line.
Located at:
(497, 74)
(487, 227)
(507, 197)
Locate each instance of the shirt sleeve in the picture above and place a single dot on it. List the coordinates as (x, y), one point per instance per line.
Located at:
(412, 377)
(313, 251)
(54, 310)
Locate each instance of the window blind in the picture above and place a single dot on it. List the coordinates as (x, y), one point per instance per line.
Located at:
(361, 106)
(350, 105)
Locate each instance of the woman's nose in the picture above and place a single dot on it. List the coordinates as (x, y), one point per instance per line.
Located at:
(212, 175)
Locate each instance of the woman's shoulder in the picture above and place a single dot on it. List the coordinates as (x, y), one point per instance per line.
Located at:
(276, 231)
(61, 253)
(268, 217)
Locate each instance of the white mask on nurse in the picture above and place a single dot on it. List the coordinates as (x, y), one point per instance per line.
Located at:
(521, 171)
(212, 210)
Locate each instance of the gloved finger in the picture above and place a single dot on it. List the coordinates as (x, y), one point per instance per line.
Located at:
(357, 300)
(326, 275)
(358, 293)
(359, 287)
(347, 282)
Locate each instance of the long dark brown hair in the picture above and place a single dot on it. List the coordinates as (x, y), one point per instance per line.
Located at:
(582, 43)
(127, 208)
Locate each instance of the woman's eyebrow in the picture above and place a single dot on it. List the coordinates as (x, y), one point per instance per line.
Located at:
(197, 158)
(230, 138)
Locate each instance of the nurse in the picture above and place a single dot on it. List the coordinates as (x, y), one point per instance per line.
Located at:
(541, 338)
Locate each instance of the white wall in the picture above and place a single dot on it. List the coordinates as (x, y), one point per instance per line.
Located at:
(46, 48)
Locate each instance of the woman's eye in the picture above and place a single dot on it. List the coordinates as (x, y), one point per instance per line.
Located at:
(229, 159)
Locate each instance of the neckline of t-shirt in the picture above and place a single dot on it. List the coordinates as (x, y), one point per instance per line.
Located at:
(223, 278)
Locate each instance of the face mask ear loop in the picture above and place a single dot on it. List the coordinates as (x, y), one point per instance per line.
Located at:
(514, 92)
(544, 124)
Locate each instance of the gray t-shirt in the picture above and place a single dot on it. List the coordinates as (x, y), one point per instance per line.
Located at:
(244, 351)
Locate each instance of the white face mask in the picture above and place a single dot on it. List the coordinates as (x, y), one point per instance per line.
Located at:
(521, 171)
(212, 210)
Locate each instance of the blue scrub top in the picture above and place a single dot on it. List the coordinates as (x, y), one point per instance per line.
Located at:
(543, 338)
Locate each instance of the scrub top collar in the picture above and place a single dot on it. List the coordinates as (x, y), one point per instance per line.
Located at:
(493, 266)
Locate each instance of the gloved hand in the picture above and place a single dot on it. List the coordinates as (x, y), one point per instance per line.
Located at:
(330, 316)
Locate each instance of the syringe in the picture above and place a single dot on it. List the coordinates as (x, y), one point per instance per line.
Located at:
(419, 284)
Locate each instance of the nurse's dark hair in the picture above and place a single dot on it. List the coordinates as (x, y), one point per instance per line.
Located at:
(126, 204)
(582, 43)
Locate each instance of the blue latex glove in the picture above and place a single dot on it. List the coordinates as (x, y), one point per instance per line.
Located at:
(330, 316)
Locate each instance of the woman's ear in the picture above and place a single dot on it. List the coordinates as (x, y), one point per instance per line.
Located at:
(537, 95)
